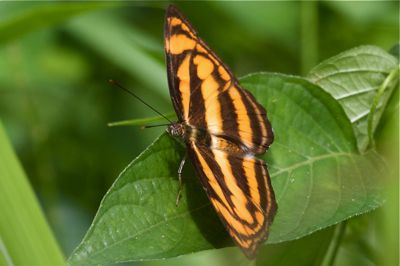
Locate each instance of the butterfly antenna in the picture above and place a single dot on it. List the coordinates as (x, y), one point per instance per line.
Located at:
(114, 82)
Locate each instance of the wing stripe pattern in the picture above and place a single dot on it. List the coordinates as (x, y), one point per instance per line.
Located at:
(255, 125)
(240, 107)
(264, 137)
(201, 72)
(242, 205)
(225, 128)
(228, 110)
(196, 106)
(181, 42)
(209, 86)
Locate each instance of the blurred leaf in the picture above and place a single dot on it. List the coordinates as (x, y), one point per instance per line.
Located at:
(307, 251)
(25, 236)
(359, 243)
(354, 78)
(364, 12)
(70, 222)
(212, 257)
(318, 177)
(251, 17)
(119, 43)
(386, 230)
(41, 15)
(395, 50)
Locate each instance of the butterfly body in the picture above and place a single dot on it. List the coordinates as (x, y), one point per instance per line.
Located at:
(224, 128)
(202, 137)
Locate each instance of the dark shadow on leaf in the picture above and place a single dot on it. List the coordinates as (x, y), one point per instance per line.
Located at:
(205, 218)
(201, 211)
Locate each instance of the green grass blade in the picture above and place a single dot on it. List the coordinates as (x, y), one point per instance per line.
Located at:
(25, 236)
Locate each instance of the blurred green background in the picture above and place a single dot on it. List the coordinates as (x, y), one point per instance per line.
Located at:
(55, 60)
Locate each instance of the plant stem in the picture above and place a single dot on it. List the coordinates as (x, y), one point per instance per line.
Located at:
(336, 241)
(390, 82)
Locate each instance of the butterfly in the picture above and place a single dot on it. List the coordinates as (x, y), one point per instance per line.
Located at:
(223, 128)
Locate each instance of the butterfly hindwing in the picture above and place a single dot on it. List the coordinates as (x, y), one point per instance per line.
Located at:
(233, 113)
(240, 191)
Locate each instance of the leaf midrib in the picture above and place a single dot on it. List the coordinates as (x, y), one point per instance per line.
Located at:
(345, 72)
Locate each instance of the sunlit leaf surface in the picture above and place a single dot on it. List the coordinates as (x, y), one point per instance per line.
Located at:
(354, 77)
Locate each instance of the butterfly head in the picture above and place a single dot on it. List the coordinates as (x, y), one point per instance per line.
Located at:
(176, 129)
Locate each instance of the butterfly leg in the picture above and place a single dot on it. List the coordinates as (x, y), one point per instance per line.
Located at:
(180, 170)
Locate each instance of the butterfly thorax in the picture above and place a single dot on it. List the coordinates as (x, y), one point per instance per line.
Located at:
(176, 129)
(202, 137)
(188, 133)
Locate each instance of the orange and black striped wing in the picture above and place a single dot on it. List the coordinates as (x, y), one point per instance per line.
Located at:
(240, 190)
(204, 92)
(208, 98)
(190, 63)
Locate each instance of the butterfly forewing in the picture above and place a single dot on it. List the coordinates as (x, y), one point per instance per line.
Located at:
(205, 93)
(227, 127)
(189, 62)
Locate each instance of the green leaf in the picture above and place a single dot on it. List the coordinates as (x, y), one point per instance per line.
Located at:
(317, 174)
(32, 18)
(25, 236)
(139, 212)
(354, 78)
